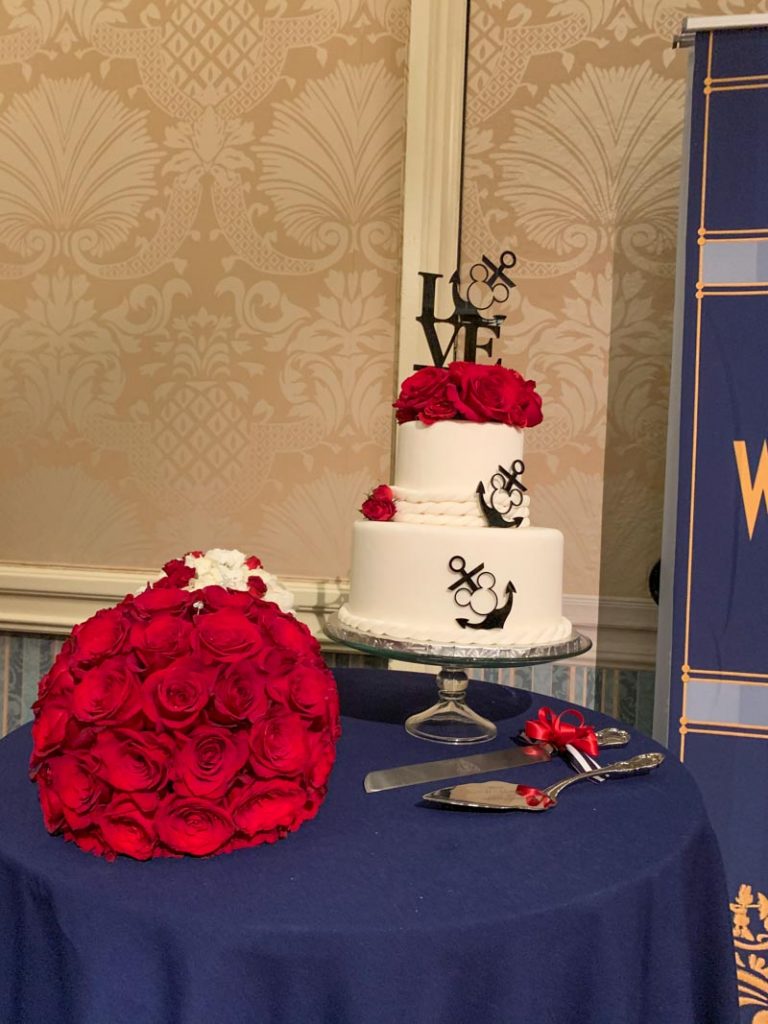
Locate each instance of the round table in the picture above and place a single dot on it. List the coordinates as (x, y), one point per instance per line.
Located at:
(611, 907)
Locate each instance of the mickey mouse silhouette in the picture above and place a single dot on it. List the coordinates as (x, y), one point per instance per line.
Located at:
(474, 590)
(489, 283)
(506, 495)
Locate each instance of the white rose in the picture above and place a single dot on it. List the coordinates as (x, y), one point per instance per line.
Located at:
(276, 591)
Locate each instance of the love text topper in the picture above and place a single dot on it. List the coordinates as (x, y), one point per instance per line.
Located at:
(489, 285)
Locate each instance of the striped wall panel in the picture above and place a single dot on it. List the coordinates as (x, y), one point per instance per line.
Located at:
(625, 694)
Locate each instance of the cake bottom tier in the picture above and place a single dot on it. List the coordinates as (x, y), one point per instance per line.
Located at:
(470, 585)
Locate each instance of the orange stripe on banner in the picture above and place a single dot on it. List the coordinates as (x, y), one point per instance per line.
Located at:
(742, 78)
(746, 237)
(735, 231)
(737, 678)
(706, 288)
(738, 88)
(713, 295)
(760, 729)
(730, 733)
(694, 440)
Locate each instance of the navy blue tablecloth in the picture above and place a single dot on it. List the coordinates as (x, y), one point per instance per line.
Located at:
(609, 909)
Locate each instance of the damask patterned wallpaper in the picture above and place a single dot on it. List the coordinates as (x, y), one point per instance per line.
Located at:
(199, 238)
(572, 159)
(199, 246)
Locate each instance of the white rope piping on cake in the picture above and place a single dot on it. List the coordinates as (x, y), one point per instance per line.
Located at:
(425, 519)
(401, 631)
(442, 497)
(450, 513)
(439, 513)
(435, 519)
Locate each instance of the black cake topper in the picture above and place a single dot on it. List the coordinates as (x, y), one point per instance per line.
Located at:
(506, 495)
(474, 590)
(489, 285)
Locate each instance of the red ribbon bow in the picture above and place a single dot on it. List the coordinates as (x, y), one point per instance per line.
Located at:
(549, 728)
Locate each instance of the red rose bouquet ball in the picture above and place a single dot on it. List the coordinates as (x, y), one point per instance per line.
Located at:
(197, 717)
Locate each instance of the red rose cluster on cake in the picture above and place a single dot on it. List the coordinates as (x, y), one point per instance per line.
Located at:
(197, 717)
(469, 391)
(380, 504)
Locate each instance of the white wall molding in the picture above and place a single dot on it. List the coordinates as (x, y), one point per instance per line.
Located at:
(52, 599)
(622, 629)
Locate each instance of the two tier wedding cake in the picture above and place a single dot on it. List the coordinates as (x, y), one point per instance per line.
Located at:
(447, 553)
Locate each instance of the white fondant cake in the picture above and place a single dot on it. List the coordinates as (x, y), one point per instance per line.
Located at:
(453, 558)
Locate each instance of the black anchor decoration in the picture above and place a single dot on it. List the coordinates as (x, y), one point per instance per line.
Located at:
(474, 589)
(506, 494)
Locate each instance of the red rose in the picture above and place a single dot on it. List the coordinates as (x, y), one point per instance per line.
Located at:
(49, 728)
(175, 696)
(493, 394)
(132, 759)
(256, 586)
(177, 573)
(275, 661)
(127, 825)
(58, 683)
(279, 746)
(108, 694)
(227, 635)
(267, 806)
(193, 825)
(310, 689)
(208, 760)
(379, 506)
(425, 387)
(100, 636)
(77, 785)
(217, 598)
(90, 840)
(288, 632)
(529, 405)
(322, 758)
(239, 694)
(53, 812)
(161, 639)
(482, 393)
(435, 411)
(169, 600)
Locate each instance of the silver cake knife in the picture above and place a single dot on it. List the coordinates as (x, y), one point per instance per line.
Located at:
(452, 767)
(476, 764)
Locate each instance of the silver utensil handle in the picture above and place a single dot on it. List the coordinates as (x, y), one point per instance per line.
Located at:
(582, 762)
(632, 766)
(610, 736)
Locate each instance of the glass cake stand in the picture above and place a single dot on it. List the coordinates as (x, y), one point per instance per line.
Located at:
(451, 720)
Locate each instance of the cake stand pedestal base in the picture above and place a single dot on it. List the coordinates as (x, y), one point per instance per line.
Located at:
(451, 720)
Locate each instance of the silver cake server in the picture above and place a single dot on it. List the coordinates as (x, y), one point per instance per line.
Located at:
(497, 795)
(476, 764)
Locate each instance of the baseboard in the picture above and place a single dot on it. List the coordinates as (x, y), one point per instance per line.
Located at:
(52, 599)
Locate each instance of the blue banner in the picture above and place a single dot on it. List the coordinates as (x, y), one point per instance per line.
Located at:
(718, 721)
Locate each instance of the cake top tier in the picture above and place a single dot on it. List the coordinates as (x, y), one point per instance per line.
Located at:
(469, 391)
(449, 460)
